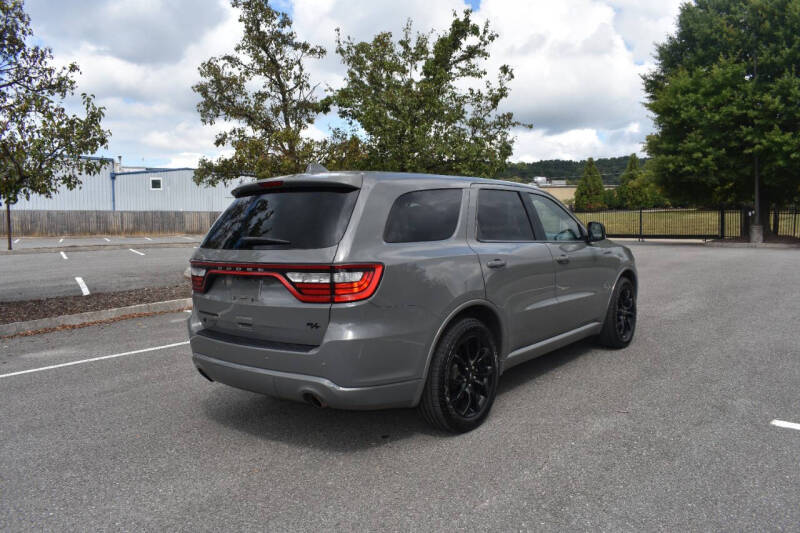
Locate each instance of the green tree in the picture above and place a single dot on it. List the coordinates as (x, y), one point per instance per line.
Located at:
(590, 193)
(628, 176)
(41, 143)
(263, 89)
(417, 103)
(726, 103)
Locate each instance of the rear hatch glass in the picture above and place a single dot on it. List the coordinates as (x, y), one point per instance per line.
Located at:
(280, 227)
(288, 219)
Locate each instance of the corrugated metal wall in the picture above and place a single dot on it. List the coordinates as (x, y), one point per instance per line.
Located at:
(93, 195)
(133, 192)
(178, 192)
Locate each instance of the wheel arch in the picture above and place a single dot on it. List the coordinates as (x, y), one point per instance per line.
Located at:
(480, 309)
(626, 272)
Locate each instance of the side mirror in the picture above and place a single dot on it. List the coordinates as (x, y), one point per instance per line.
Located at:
(597, 231)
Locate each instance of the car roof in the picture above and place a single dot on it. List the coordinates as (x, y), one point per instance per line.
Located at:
(356, 179)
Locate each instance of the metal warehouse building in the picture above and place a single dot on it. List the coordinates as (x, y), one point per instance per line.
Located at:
(151, 189)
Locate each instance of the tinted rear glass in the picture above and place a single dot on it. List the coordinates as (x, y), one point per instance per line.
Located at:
(502, 217)
(308, 218)
(421, 216)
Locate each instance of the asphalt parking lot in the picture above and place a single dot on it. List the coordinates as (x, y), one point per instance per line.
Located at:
(49, 274)
(67, 241)
(670, 434)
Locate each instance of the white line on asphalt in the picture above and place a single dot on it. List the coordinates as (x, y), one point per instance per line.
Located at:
(82, 285)
(134, 352)
(188, 238)
(135, 251)
(15, 242)
(106, 239)
(784, 424)
(148, 239)
(63, 255)
(61, 240)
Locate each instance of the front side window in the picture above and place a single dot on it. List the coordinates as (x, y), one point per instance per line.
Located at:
(502, 217)
(155, 184)
(423, 216)
(557, 224)
(289, 219)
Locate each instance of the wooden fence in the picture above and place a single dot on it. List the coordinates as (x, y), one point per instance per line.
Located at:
(56, 223)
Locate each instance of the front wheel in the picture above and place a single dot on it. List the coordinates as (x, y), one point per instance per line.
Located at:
(462, 380)
(620, 323)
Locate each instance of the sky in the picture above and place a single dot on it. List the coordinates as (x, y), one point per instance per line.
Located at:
(577, 65)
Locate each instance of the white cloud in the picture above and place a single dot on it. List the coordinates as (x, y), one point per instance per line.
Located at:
(577, 64)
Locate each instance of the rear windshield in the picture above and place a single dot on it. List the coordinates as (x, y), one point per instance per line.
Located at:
(299, 219)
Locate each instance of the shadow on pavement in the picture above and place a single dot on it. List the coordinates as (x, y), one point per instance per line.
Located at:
(298, 424)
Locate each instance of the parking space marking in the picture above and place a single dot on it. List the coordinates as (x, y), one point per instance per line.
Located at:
(135, 251)
(61, 240)
(106, 239)
(93, 359)
(82, 285)
(785, 424)
(64, 255)
(187, 238)
(148, 239)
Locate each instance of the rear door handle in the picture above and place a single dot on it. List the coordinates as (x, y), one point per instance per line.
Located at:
(496, 263)
(563, 259)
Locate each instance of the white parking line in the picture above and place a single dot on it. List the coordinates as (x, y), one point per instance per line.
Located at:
(62, 365)
(61, 240)
(148, 239)
(135, 251)
(106, 239)
(785, 424)
(187, 238)
(64, 255)
(82, 285)
(15, 242)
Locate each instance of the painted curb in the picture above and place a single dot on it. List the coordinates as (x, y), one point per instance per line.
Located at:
(15, 328)
(774, 245)
(96, 247)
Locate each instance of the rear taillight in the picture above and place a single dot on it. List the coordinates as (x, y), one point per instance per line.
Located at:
(198, 278)
(308, 283)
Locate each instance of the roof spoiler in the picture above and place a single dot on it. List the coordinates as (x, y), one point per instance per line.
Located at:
(302, 181)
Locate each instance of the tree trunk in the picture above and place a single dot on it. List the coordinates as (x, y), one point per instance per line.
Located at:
(8, 223)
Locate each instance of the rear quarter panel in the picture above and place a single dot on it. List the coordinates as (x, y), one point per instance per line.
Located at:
(422, 283)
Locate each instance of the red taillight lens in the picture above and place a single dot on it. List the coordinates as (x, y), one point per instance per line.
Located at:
(198, 279)
(308, 283)
(355, 282)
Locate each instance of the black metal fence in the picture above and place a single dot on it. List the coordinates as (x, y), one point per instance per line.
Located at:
(689, 223)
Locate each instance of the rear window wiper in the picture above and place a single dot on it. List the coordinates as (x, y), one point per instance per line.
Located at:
(263, 240)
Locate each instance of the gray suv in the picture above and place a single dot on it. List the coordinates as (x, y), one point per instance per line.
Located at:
(371, 290)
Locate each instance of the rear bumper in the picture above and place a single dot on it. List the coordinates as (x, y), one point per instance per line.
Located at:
(297, 387)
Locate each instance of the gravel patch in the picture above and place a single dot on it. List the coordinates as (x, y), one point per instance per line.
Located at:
(70, 305)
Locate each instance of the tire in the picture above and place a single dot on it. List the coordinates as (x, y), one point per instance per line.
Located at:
(620, 322)
(466, 357)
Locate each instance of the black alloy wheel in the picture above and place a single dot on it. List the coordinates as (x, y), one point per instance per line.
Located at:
(620, 322)
(462, 381)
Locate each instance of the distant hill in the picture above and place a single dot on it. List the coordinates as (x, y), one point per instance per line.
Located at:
(610, 168)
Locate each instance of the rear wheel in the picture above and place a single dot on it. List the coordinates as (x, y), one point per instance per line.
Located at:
(462, 380)
(620, 323)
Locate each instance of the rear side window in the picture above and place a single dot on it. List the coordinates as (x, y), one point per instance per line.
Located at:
(502, 217)
(300, 219)
(421, 216)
